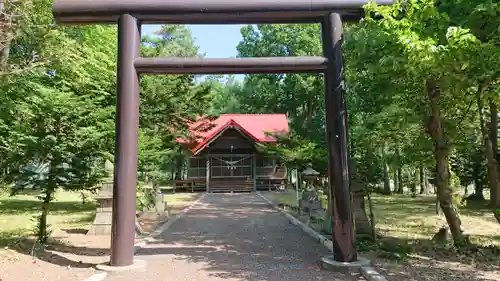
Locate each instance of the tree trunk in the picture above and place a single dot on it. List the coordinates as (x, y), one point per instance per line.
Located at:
(387, 181)
(372, 216)
(478, 191)
(493, 130)
(396, 183)
(5, 37)
(179, 167)
(400, 181)
(413, 188)
(42, 227)
(490, 157)
(413, 179)
(172, 170)
(4, 55)
(310, 109)
(438, 210)
(423, 181)
(476, 173)
(436, 131)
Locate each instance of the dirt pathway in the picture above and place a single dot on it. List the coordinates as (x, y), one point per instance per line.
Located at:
(232, 237)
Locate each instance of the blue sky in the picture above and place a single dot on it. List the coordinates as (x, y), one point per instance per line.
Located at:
(216, 41)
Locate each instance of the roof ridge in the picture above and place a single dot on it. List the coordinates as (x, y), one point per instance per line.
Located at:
(270, 122)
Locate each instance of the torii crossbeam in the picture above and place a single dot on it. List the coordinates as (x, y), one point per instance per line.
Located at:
(130, 14)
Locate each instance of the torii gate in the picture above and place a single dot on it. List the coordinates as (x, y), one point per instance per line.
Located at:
(130, 14)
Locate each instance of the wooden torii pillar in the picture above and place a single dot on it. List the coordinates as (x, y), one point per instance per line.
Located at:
(130, 14)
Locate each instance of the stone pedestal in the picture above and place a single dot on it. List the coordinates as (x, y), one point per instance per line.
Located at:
(330, 263)
(363, 224)
(103, 217)
(137, 265)
(327, 220)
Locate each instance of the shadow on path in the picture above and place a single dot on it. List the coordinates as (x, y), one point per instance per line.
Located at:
(233, 237)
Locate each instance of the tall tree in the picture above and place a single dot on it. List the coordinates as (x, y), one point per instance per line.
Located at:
(56, 121)
(168, 103)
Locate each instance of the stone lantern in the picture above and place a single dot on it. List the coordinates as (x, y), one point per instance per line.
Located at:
(104, 198)
(310, 175)
(309, 202)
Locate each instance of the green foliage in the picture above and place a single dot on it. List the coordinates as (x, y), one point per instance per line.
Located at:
(145, 197)
(168, 103)
(56, 121)
(58, 96)
(58, 104)
(297, 152)
(300, 96)
(391, 58)
(227, 94)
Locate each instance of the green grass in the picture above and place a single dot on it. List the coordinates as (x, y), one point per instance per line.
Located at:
(415, 218)
(166, 188)
(179, 199)
(66, 211)
(401, 216)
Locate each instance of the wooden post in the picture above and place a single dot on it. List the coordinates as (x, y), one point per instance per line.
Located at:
(254, 172)
(126, 147)
(207, 181)
(344, 243)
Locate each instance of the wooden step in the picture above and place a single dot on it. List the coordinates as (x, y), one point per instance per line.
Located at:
(229, 190)
(230, 185)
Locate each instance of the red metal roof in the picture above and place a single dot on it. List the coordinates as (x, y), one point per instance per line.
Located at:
(254, 125)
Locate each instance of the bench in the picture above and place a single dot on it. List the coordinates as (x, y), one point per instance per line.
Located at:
(187, 185)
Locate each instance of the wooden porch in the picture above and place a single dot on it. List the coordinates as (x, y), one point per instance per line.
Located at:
(232, 173)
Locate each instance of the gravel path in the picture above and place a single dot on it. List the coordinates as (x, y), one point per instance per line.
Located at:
(232, 237)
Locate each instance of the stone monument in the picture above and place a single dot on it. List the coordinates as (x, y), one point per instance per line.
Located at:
(104, 198)
(158, 203)
(362, 223)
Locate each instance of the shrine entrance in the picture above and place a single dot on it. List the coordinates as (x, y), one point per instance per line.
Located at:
(231, 166)
(130, 14)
